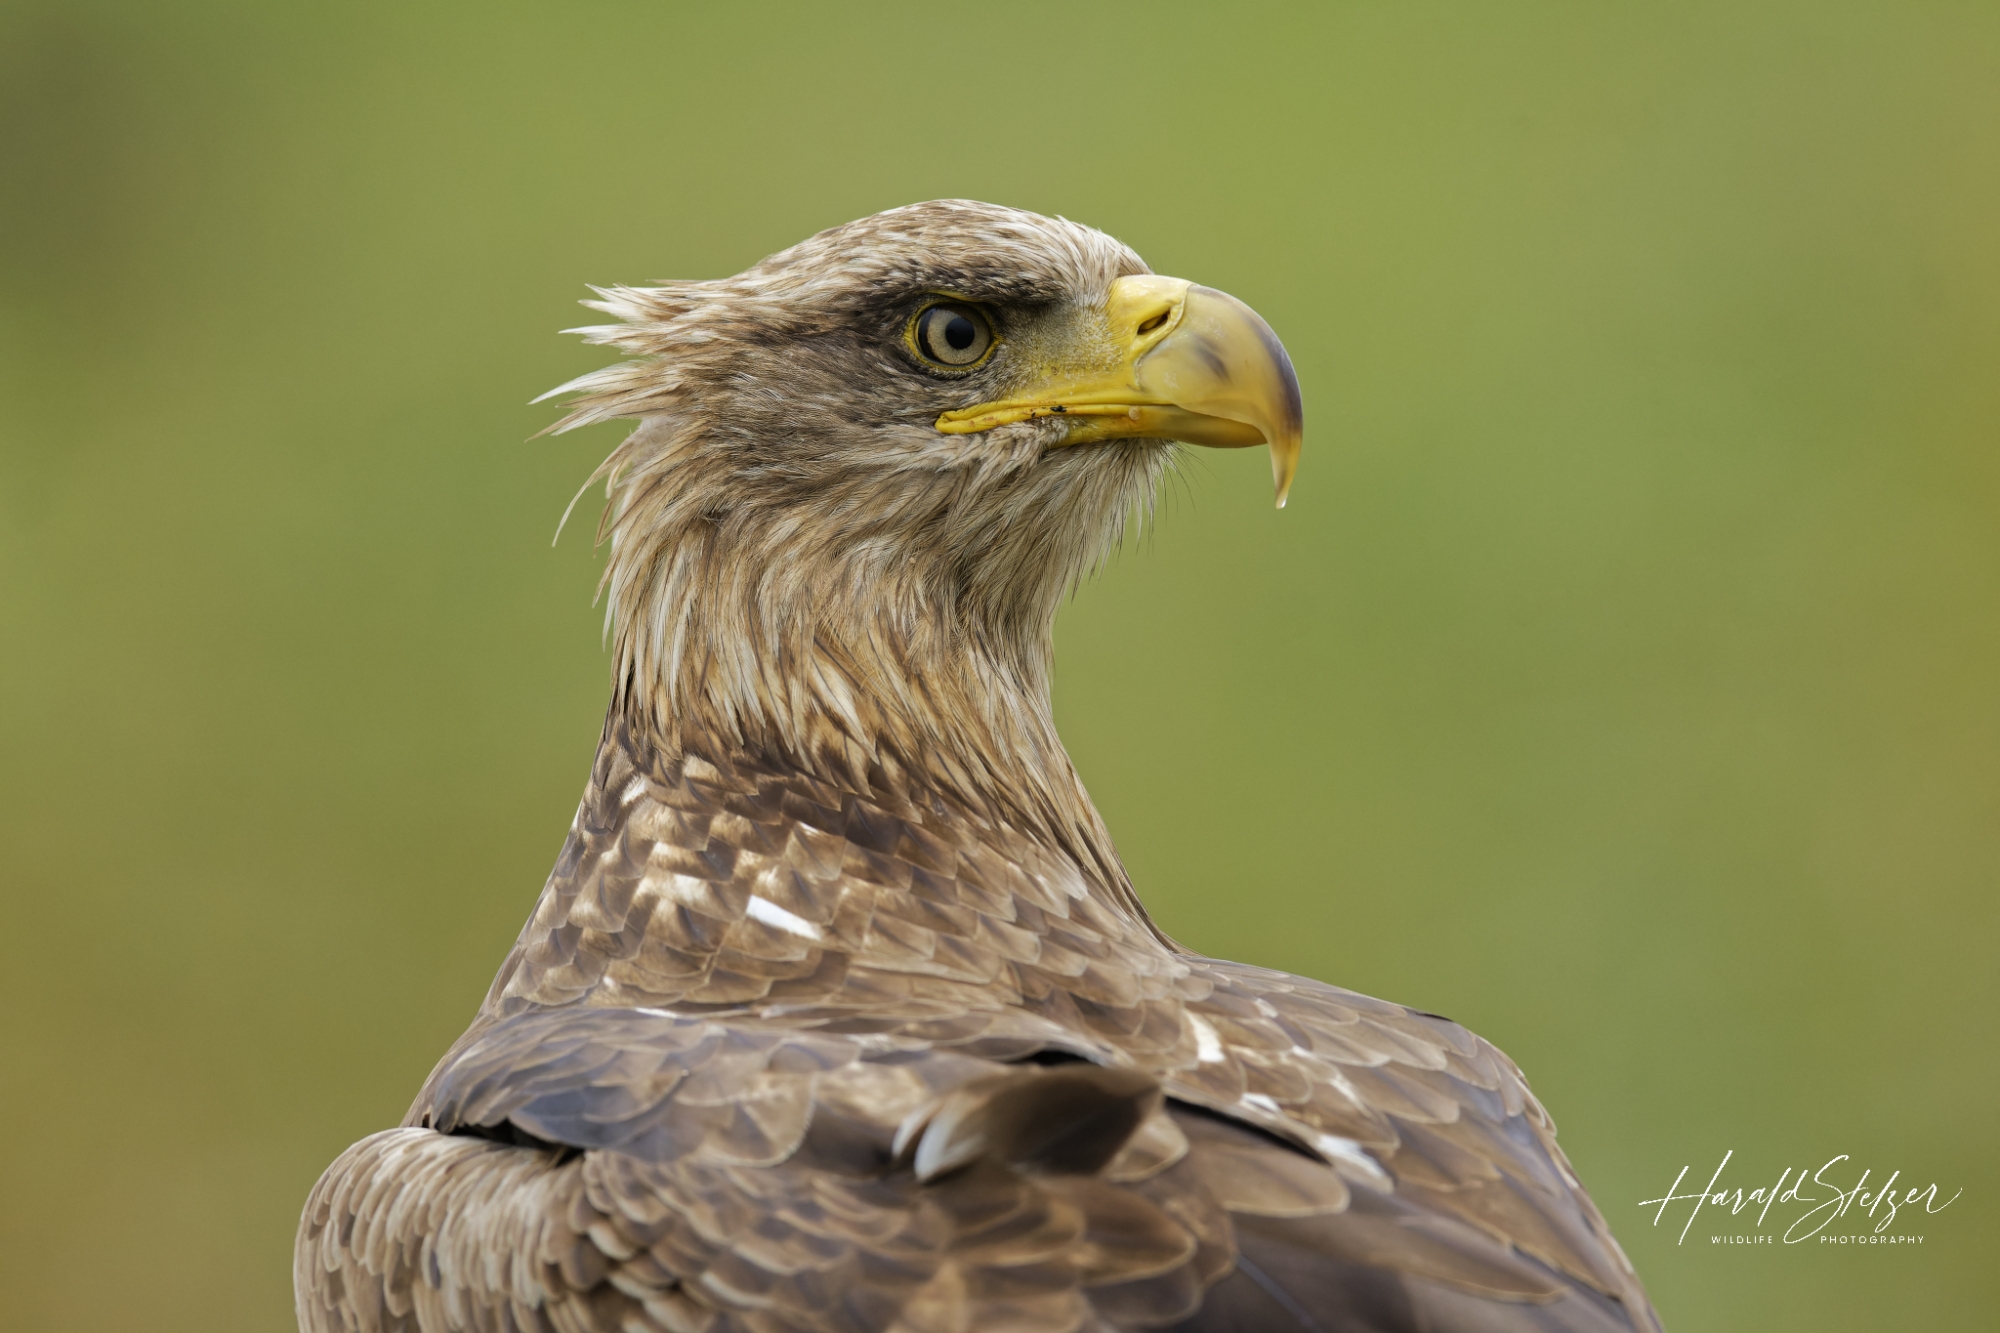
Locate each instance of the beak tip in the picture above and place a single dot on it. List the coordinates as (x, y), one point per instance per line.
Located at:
(1284, 466)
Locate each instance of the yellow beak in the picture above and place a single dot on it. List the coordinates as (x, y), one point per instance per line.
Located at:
(1178, 362)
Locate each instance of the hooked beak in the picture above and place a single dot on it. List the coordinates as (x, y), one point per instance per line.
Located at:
(1182, 363)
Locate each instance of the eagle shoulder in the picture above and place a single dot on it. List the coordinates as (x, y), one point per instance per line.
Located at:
(1404, 1103)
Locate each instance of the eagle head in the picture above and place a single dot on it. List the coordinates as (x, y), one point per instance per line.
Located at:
(867, 469)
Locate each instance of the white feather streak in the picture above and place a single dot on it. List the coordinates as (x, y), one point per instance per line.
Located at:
(763, 909)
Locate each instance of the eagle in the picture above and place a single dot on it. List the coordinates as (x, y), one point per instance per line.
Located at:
(838, 1012)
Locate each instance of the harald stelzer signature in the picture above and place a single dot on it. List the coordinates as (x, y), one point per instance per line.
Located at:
(1824, 1208)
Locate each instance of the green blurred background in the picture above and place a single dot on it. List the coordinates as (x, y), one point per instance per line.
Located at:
(1621, 681)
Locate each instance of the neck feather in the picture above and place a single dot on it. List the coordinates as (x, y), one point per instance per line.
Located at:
(737, 632)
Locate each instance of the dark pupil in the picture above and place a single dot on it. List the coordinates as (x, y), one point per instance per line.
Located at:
(960, 333)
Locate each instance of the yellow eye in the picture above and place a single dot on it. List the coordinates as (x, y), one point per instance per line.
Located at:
(952, 335)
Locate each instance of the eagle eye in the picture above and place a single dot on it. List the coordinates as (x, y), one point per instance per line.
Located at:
(951, 334)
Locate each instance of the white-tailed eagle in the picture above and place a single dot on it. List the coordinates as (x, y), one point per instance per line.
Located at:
(838, 1013)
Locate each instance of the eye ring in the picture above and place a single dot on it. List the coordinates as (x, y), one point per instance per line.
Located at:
(952, 335)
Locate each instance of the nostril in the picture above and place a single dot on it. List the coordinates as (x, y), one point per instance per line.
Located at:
(1154, 322)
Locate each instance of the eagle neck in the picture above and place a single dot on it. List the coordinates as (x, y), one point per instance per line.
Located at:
(863, 678)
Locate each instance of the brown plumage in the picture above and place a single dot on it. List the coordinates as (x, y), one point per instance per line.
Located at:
(838, 1011)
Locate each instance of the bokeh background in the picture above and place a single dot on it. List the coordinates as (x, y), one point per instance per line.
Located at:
(1621, 681)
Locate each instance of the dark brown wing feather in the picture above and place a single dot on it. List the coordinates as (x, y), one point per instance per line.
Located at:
(733, 1177)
